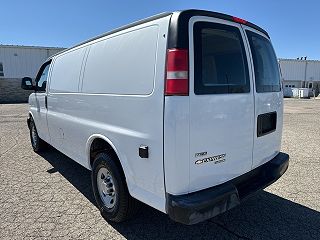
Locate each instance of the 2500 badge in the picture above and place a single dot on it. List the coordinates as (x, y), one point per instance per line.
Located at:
(215, 159)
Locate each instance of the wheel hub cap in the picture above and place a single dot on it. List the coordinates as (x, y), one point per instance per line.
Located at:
(106, 188)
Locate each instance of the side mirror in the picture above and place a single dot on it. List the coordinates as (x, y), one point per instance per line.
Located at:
(26, 83)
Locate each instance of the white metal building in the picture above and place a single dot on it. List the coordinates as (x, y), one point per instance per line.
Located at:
(17, 62)
(297, 73)
(22, 61)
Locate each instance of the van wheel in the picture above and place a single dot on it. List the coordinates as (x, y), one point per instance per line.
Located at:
(37, 143)
(110, 190)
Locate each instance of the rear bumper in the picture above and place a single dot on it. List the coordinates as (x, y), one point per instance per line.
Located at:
(199, 206)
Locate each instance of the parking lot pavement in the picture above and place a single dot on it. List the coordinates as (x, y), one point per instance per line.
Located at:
(49, 196)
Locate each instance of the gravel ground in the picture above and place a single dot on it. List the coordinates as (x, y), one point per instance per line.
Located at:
(49, 196)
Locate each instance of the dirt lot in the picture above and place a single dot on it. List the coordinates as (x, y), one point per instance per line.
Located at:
(49, 196)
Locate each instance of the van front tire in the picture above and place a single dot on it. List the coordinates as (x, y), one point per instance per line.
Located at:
(37, 143)
(110, 189)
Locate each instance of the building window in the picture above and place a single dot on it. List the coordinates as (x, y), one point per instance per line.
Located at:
(1, 70)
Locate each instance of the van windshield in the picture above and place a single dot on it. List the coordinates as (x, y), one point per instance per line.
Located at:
(266, 69)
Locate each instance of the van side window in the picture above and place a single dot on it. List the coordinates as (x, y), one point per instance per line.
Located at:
(220, 60)
(266, 69)
(42, 77)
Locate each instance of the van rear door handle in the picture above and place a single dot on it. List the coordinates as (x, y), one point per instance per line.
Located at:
(46, 102)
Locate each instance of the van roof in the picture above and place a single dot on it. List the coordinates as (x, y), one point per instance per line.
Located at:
(178, 26)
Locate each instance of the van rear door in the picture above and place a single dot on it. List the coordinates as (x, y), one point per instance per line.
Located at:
(221, 102)
(268, 97)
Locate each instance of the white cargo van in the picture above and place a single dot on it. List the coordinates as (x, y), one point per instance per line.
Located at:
(181, 111)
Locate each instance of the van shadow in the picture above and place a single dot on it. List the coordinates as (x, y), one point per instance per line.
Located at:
(263, 216)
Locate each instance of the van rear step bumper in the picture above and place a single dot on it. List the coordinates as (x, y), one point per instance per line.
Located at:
(201, 205)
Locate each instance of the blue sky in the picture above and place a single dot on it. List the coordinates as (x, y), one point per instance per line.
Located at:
(292, 25)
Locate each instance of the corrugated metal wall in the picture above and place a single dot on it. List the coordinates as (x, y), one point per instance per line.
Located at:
(22, 61)
(300, 70)
(313, 71)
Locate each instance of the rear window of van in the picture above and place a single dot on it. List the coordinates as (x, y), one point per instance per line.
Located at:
(266, 69)
(220, 60)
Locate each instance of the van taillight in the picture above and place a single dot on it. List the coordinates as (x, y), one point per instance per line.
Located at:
(177, 79)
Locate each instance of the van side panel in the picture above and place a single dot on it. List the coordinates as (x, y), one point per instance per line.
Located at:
(176, 144)
(62, 104)
(66, 71)
(124, 106)
(123, 64)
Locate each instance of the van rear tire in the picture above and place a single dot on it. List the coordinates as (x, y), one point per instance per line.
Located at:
(110, 189)
(38, 145)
